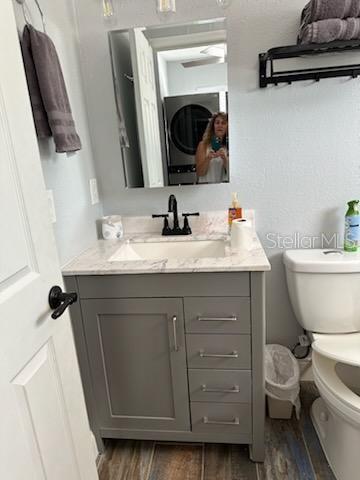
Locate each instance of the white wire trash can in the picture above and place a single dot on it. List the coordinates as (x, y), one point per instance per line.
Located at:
(282, 382)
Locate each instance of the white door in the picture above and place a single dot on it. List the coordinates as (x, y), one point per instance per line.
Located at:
(146, 108)
(44, 431)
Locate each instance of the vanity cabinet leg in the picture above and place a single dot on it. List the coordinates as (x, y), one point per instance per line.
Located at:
(257, 452)
(100, 444)
(257, 449)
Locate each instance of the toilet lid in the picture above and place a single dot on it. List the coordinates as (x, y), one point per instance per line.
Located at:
(343, 348)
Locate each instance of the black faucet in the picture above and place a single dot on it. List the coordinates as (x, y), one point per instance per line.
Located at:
(175, 230)
(173, 209)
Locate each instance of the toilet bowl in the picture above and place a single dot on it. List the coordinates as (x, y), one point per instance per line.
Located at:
(324, 289)
(336, 414)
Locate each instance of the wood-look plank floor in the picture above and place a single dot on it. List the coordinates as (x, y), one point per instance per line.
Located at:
(177, 461)
(293, 452)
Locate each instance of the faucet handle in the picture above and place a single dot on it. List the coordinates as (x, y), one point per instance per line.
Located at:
(166, 228)
(186, 228)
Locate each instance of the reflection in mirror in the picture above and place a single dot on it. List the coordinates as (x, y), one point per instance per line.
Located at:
(170, 85)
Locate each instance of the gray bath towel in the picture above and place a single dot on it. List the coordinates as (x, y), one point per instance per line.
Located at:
(40, 117)
(317, 10)
(330, 30)
(52, 89)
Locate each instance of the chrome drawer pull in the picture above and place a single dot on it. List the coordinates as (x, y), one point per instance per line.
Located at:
(217, 319)
(234, 389)
(234, 354)
(206, 420)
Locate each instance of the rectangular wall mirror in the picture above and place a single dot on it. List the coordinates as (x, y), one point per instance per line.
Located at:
(171, 95)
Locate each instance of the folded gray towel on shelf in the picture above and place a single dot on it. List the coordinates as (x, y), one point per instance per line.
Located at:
(326, 31)
(53, 90)
(317, 10)
(40, 117)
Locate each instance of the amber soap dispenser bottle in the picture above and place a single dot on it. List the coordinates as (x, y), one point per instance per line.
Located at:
(235, 211)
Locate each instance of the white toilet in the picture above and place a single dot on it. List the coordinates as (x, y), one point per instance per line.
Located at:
(324, 288)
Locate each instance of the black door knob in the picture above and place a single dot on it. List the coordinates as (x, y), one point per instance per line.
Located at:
(59, 301)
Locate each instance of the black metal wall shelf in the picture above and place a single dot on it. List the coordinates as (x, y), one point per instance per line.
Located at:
(268, 76)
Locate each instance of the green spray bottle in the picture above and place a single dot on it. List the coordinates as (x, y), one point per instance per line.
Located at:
(352, 227)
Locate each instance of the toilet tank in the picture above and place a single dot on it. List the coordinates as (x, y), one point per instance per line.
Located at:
(324, 289)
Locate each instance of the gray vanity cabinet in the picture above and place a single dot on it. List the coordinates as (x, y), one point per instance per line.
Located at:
(138, 362)
(174, 357)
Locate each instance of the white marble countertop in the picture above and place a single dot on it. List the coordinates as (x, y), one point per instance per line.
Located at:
(94, 261)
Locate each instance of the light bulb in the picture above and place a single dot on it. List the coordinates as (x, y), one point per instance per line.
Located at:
(166, 6)
(223, 3)
(108, 8)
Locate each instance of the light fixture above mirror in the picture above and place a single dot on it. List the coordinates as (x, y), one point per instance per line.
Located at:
(165, 6)
(223, 3)
(108, 8)
(170, 5)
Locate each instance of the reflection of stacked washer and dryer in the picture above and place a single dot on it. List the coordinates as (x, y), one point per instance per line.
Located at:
(186, 118)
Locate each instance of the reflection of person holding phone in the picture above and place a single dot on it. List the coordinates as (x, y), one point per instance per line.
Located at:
(212, 155)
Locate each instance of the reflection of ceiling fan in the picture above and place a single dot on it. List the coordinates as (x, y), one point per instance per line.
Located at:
(214, 54)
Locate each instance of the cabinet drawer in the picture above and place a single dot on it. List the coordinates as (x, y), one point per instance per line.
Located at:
(221, 418)
(217, 314)
(225, 386)
(218, 351)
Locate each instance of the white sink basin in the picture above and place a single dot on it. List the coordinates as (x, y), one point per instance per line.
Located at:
(169, 250)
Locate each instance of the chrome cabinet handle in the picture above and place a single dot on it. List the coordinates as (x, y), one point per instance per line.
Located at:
(234, 389)
(235, 421)
(234, 354)
(176, 346)
(217, 319)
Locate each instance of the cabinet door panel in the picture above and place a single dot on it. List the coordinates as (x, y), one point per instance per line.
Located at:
(138, 365)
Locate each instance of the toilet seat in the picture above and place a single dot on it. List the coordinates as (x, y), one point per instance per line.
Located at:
(341, 396)
(343, 348)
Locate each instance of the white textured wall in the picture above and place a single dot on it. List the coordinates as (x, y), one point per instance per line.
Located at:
(67, 175)
(295, 150)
